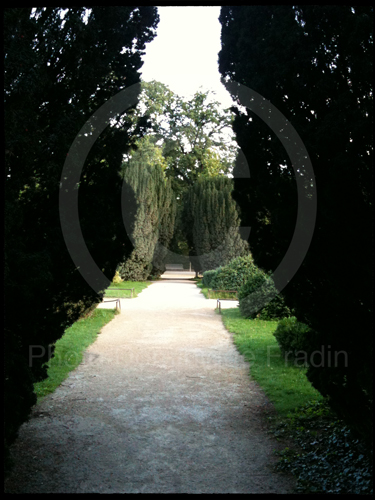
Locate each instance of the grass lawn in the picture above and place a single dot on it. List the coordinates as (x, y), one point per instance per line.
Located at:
(112, 290)
(70, 347)
(284, 384)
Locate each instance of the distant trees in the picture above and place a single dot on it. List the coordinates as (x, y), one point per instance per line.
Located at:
(149, 207)
(190, 132)
(61, 65)
(193, 136)
(314, 63)
(211, 223)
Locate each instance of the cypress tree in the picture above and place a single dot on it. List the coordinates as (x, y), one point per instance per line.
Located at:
(315, 64)
(212, 223)
(150, 210)
(61, 65)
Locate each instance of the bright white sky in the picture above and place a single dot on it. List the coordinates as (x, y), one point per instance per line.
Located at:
(184, 53)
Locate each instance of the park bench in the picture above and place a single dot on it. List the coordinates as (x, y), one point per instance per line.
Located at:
(221, 291)
(174, 267)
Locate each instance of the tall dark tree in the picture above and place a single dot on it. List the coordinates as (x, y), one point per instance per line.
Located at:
(314, 63)
(211, 223)
(61, 65)
(149, 207)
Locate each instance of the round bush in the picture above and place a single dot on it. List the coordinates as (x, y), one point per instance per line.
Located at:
(292, 335)
(234, 274)
(276, 309)
(256, 293)
(208, 276)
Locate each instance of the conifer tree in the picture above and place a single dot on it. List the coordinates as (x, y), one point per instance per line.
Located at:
(211, 223)
(61, 65)
(149, 209)
(315, 64)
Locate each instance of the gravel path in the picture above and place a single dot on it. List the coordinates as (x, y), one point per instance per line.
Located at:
(162, 403)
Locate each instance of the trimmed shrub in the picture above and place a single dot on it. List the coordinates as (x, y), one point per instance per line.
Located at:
(292, 335)
(256, 293)
(211, 223)
(208, 277)
(234, 274)
(276, 309)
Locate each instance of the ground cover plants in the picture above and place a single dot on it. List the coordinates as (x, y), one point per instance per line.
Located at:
(321, 452)
(325, 456)
(70, 347)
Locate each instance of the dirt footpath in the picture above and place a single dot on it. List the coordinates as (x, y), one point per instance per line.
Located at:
(162, 403)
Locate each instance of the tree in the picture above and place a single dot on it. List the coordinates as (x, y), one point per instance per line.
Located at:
(191, 133)
(211, 223)
(193, 137)
(150, 210)
(314, 63)
(61, 65)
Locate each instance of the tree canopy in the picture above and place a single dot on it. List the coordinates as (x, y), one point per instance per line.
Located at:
(190, 132)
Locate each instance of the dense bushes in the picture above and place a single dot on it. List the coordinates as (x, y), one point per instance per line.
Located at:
(258, 297)
(256, 291)
(275, 309)
(234, 274)
(292, 336)
(208, 277)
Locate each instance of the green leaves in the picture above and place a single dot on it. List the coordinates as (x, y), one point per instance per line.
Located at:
(191, 133)
(330, 458)
(58, 71)
(150, 209)
(314, 63)
(211, 223)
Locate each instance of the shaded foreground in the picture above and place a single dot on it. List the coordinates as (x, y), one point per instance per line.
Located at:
(162, 403)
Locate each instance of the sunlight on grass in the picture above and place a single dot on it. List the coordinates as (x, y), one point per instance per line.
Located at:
(284, 384)
(70, 347)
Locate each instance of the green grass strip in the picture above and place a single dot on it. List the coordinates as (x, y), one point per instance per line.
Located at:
(124, 294)
(285, 385)
(70, 347)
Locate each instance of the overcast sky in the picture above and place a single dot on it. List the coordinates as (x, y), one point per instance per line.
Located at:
(184, 53)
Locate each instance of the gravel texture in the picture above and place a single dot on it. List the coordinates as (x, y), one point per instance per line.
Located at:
(162, 403)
